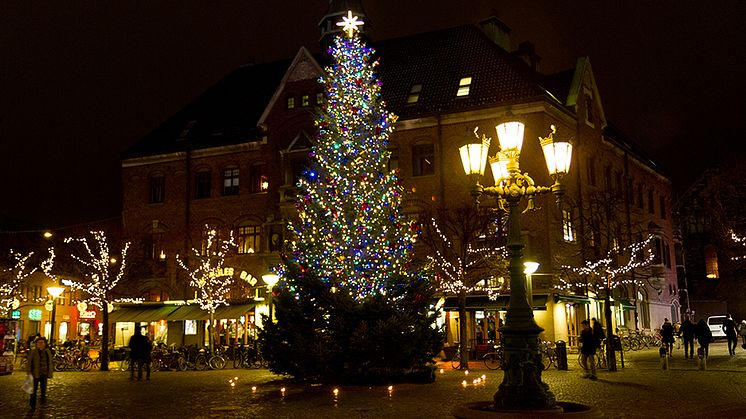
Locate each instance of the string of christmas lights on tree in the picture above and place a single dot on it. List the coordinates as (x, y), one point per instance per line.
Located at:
(208, 273)
(101, 270)
(740, 240)
(452, 269)
(14, 277)
(351, 232)
(601, 273)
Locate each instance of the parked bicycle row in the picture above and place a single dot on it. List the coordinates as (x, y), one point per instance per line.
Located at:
(170, 358)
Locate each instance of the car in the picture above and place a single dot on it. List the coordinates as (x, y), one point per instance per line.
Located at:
(716, 326)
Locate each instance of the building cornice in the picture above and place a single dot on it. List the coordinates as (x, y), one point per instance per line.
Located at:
(198, 153)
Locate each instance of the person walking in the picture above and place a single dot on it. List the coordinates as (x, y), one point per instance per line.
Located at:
(742, 332)
(687, 334)
(138, 352)
(667, 332)
(704, 336)
(40, 366)
(729, 327)
(589, 344)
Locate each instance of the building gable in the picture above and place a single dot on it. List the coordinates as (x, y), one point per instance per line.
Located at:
(584, 85)
(303, 67)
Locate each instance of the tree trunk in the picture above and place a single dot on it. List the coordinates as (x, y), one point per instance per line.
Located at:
(104, 355)
(610, 356)
(463, 335)
(210, 331)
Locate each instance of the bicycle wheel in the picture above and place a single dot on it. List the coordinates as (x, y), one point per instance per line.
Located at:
(238, 360)
(83, 364)
(125, 365)
(492, 360)
(181, 363)
(217, 362)
(200, 363)
(546, 359)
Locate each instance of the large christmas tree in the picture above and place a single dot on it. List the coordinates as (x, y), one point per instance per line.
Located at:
(350, 307)
(351, 233)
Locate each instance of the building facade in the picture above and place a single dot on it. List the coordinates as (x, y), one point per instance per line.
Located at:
(230, 160)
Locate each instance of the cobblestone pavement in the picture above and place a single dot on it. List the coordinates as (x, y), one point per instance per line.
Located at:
(640, 390)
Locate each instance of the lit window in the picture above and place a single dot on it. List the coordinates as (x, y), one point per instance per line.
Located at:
(423, 158)
(157, 191)
(202, 185)
(414, 93)
(711, 262)
(568, 233)
(259, 181)
(249, 239)
(291, 103)
(305, 100)
(230, 182)
(463, 87)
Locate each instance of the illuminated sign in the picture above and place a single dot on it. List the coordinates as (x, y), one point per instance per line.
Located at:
(88, 314)
(217, 273)
(34, 314)
(15, 314)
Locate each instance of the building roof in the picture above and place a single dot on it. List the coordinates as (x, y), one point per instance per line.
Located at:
(228, 112)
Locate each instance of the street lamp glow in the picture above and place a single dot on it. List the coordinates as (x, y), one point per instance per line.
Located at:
(270, 279)
(47, 234)
(510, 135)
(499, 165)
(558, 154)
(531, 267)
(474, 158)
(55, 292)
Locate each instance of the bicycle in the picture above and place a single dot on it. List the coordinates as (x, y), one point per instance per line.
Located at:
(548, 354)
(495, 358)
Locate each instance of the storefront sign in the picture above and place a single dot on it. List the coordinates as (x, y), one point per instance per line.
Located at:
(34, 314)
(88, 314)
(15, 314)
(217, 273)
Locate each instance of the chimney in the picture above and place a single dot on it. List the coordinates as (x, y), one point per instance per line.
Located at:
(527, 52)
(496, 30)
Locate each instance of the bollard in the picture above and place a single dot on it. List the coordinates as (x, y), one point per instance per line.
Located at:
(701, 359)
(664, 358)
(561, 351)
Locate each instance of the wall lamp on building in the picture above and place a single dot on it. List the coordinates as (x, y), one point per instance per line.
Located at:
(522, 387)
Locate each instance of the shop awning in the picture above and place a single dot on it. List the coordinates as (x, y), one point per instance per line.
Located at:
(573, 299)
(482, 302)
(141, 314)
(193, 312)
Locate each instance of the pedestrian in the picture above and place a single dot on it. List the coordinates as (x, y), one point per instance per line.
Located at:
(687, 334)
(742, 332)
(729, 327)
(589, 344)
(704, 336)
(598, 330)
(139, 353)
(667, 332)
(40, 365)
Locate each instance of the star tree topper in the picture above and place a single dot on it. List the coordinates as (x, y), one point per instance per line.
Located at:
(350, 23)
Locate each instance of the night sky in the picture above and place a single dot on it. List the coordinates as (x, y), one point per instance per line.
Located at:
(82, 81)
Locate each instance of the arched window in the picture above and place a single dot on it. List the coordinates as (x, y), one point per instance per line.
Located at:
(644, 313)
(711, 262)
(249, 238)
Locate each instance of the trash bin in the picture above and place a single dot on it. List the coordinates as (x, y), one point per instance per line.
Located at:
(561, 350)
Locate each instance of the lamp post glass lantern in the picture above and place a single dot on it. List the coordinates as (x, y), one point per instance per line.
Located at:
(271, 281)
(54, 292)
(522, 387)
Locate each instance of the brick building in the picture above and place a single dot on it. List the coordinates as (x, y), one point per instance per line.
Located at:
(231, 159)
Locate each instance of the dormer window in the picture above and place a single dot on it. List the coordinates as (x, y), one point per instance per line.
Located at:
(305, 101)
(414, 93)
(463, 87)
(291, 103)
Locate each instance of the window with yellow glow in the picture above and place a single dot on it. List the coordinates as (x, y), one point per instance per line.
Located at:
(711, 263)
(464, 85)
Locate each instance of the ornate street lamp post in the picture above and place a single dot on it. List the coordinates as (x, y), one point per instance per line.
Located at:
(55, 292)
(522, 387)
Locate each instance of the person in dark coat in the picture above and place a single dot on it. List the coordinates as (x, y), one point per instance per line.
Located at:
(40, 365)
(687, 333)
(598, 330)
(704, 336)
(589, 344)
(731, 333)
(667, 332)
(139, 354)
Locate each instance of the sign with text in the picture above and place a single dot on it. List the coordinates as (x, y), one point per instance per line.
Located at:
(34, 314)
(88, 314)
